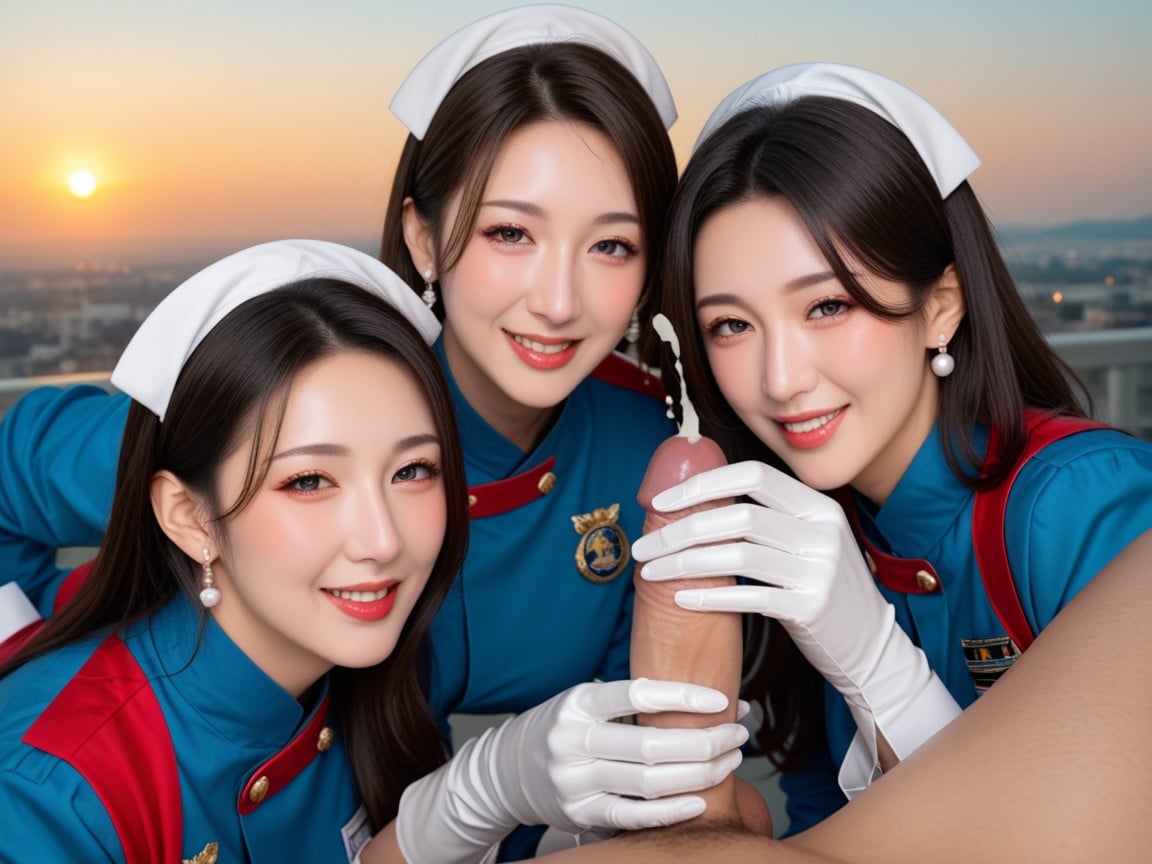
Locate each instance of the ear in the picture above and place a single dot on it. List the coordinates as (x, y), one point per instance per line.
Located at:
(181, 515)
(945, 309)
(418, 238)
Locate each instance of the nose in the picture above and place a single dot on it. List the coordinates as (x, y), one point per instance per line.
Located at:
(372, 534)
(788, 369)
(555, 294)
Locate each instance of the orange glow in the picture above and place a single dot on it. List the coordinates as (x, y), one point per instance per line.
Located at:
(1058, 297)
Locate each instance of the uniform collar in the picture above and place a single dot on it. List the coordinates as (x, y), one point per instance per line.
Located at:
(215, 678)
(926, 502)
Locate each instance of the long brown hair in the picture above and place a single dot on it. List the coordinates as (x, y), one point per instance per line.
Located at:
(862, 191)
(234, 385)
(521, 86)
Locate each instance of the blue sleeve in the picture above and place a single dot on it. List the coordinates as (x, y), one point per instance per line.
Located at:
(1075, 506)
(47, 821)
(58, 455)
(813, 793)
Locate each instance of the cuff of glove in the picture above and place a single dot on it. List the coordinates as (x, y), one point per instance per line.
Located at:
(442, 818)
(904, 730)
(16, 610)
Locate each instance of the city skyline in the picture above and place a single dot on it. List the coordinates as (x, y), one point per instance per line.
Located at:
(261, 120)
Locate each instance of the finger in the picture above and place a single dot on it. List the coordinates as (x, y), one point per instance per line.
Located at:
(649, 745)
(655, 781)
(751, 522)
(727, 481)
(607, 701)
(771, 602)
(764, 564)
(629, 815)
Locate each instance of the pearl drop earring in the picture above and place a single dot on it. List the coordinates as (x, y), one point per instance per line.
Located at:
(209, 594)
(429, 295)
(943, 363)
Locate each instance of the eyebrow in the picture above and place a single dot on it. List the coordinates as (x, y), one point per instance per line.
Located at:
(340, 450)
(797, 284)
(530, 209)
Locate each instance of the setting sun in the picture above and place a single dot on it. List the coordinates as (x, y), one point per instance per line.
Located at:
(81, 183)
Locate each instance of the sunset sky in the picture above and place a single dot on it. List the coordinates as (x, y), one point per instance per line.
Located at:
(227, 122)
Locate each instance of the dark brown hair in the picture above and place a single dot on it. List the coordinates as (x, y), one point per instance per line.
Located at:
(236, 384)
(863, 192)
(521, 86)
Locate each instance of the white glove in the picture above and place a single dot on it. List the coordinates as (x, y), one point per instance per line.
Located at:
(817, 585)
(565, 764)
(16, 610)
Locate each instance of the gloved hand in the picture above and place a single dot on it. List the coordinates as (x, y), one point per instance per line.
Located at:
(565, 764)
(798, 543)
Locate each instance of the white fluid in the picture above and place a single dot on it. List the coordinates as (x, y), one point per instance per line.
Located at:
(690, 425)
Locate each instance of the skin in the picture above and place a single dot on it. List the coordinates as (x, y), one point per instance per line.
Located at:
(1073, 710)
(670, 643)
(556, 258)
(789, 345)
(352, 501)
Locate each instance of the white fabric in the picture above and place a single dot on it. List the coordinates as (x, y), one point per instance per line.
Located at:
(568, 765)
(419, 97)
(942, 148)
(16, 610)
(149, 366)
(809, 575)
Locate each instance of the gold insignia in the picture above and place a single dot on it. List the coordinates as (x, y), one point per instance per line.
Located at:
(603, 550)
(209, 856)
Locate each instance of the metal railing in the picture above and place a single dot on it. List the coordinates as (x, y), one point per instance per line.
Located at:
(1115, 365)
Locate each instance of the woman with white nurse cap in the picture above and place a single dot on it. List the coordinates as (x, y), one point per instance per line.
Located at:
(277, 548)
(853, 329)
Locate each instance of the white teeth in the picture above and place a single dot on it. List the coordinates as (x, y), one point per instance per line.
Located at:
(809, 425)
(540, 347)
(362, 596)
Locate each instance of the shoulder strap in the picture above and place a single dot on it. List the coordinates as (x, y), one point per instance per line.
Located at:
(107, 724)
(621, 371)
(989, 511)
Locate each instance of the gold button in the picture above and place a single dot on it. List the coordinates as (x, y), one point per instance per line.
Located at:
(471, 501)
(547, 483)
(927, 581)
(871, 562)
(259, 790)
(325, 739)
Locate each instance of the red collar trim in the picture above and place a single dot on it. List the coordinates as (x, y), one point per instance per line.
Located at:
(492, 499)
(906, 575)
(281, 769)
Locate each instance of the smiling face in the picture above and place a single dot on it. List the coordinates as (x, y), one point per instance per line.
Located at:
(326, 562)
(841, 395)
(549, 276)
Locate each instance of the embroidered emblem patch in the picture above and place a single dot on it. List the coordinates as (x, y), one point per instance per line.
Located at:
(603, 550)
(988, 659)
(209, 856)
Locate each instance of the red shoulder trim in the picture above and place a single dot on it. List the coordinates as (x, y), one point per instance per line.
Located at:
(71, 585)
(618, 370)
(107, 724)
(988, 514)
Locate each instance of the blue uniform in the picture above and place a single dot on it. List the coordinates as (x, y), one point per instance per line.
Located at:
(226, 720)
(522, 622)
(1074, 506)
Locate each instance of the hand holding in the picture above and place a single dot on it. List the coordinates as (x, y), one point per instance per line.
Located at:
(567, 764)
(810, 575)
